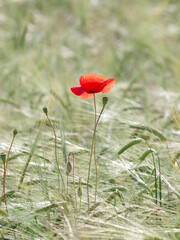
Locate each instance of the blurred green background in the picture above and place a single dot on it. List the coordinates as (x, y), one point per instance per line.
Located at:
(49, 44)
(46, 45)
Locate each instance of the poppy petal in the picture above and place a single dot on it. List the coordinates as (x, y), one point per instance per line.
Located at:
(91, 81)
(105, 86)
(86, 95)
(109, 85)
(79, 91)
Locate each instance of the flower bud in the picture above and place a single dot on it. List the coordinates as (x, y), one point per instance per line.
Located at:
(15, 132)
(45, 110)
(68, 167)
(105, 101)
(79, 191)
(3, 157)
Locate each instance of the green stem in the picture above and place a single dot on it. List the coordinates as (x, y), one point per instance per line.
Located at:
(2, 236)
(56, 158)
(160, 188)
(155, 178)
(94, 136)
(95, 162)
(4, 188)
(4, 175)
(80, 198)
(80, 194)
(9, 151)
(33, 148)
(80, 205)
(74, 184)
(67, 184)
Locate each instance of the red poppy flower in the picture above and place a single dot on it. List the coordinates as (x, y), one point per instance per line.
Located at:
(91, 84)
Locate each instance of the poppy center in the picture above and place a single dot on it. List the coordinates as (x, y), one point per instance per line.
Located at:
(89, 91)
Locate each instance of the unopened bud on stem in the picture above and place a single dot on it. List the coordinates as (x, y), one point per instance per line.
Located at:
(15, 132)
(79, 191)
(3, 157)
(68, 167)
(105, 101)
(45, 110)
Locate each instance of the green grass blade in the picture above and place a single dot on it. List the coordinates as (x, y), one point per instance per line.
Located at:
(130, 144)
(30, 155)
(144, 155)
(151, 130)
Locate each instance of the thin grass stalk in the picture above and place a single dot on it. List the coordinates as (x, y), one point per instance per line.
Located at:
(150, 193)
(68, 170)
(67, 183)
(63, 139)
(155, 179)
(56, 158)
(160, 186)
(2, 236)
(3, 158)
(80, 194)
(30, 155)
(7, 159)
(5, 168)
(74, 183)
(80, 204)
(4, 177)
(155, 175)
(4, 188)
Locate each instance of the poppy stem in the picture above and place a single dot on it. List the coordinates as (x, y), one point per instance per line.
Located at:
(93, 145)
(67, 183)
(4, 189)
(95, 162)
(56, 158)
(9, 151)
(5, 168)
(74, 183)
(80, 194)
